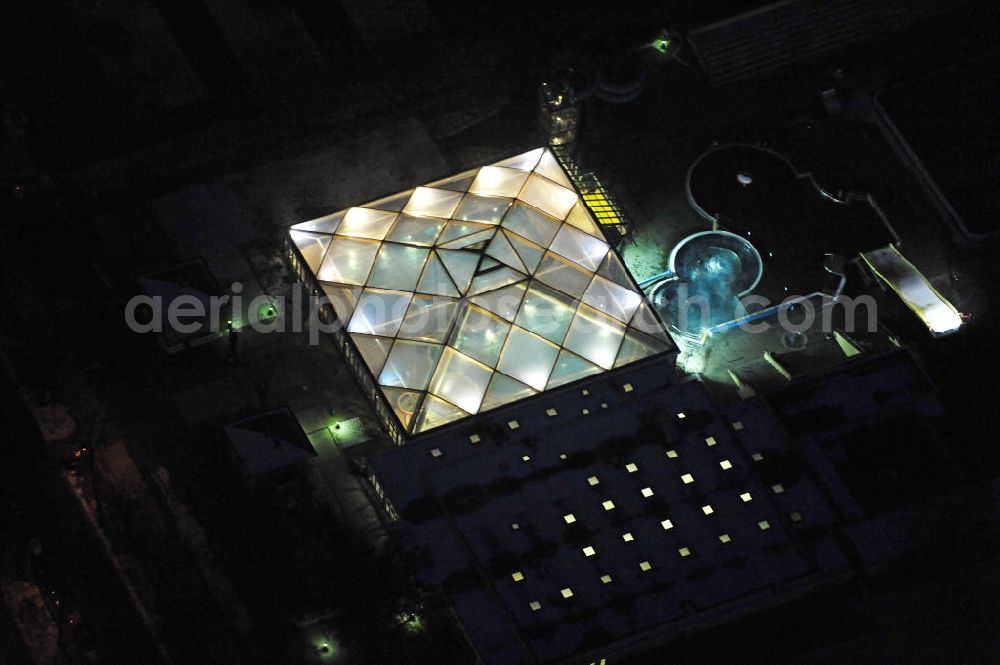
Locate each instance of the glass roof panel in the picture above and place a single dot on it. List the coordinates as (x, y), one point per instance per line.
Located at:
(548, 196)
(379, 312)
(613, 269)
(530, 253)
(403, 402)
(461, 266)
(431, 202)
(646, 321)
(312, 246)
(487, 209)
(526, 161)
(416, 230)
(581, 218)
(637, 346)
(564, 275)
(494, 279)
(436, 279)
(436, 412)
(487, 263)
(472, 241)
(504, 390)
(325, 224)
(548, 166)
(595, 336)
(456, 230)
(570, 367)
(366, 223)
(343, 299)
(394, 203)
(612, 299)
(531, 223)
(374, 350)
(503, 302)
(501, 250)
(456, 183)
(580, 247)
(441, 284)
(398, 267)
(410, 364)
(480, 334)
(428, 318)
(528, 358)
(546, 312)
(460, 380)
(348, 261)
(498, 181)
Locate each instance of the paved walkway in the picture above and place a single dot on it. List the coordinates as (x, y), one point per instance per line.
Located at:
(343, 489)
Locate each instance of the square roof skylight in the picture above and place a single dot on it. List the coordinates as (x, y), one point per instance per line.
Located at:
(479, 290)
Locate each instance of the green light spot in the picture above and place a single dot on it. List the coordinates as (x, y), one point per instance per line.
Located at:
(411, 622)
(267, 313)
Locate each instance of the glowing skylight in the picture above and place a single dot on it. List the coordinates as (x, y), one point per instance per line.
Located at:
(479, 290)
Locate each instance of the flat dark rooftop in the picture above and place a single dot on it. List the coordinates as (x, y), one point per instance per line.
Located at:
(711, 510)
(269, 441)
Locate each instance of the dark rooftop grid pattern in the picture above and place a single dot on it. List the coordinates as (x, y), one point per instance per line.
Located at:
(463, 499)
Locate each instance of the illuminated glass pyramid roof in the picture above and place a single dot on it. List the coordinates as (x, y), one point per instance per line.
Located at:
(479, 290)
